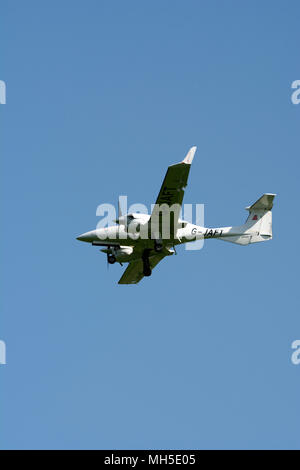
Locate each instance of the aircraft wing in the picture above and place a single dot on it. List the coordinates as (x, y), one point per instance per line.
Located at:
(171, 192)
(134, 271)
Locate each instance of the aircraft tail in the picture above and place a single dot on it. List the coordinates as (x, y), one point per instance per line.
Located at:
(258, 226)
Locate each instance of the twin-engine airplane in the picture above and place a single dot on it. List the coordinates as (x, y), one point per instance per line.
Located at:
(143, 240)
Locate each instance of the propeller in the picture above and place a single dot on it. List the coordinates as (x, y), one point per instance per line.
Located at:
(119, 209)
(117, 221)
(107, 251)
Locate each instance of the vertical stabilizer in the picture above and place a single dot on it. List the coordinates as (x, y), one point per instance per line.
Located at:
(260, 216)
(258, 226)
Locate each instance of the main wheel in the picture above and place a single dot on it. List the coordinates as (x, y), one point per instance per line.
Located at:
(111, 259)
(146, 264)
(147, 271)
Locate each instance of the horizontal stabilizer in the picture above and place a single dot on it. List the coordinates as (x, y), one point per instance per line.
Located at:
(246, 239)
(239, 239)
(264, 203)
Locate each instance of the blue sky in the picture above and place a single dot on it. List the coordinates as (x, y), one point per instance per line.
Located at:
(101, 98)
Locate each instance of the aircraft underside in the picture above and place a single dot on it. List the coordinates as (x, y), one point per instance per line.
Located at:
(140, 240)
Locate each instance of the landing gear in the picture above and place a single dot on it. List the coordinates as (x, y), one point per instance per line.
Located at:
(147, 271)
(111, 259)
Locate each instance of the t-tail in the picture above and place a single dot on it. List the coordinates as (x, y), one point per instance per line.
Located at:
(258, 226)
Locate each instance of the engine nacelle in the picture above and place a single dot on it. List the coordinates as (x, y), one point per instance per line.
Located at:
(133, 227)
(123, 253)
(134, 224)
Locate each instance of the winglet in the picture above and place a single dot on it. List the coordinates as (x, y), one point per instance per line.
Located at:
(189, 156)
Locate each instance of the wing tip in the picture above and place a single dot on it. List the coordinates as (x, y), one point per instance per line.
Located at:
(190, 156)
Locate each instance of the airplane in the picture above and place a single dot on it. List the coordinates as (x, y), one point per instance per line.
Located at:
(143, 240)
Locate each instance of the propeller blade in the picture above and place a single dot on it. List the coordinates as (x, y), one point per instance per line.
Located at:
(119, 209)
(117, 221)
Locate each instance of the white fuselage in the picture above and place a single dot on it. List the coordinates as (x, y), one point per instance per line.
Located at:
(123, 240)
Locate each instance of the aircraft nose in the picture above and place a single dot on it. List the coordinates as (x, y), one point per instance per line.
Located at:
(85, 237)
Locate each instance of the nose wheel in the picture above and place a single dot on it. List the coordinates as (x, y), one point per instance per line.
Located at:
(111, 259)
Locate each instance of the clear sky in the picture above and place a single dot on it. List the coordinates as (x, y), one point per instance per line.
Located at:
(101, 98)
